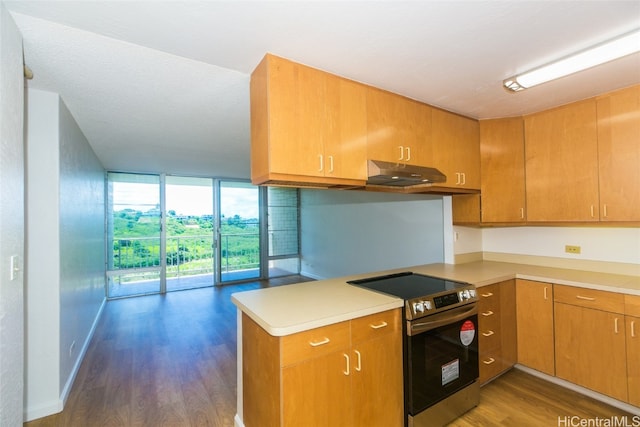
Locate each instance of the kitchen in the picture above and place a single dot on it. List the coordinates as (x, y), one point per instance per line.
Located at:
(601, 246)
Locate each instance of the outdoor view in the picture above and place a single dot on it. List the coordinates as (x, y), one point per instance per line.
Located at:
(135, 237)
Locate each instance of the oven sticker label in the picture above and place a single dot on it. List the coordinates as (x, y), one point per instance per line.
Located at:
(467, 332)
(450, 371)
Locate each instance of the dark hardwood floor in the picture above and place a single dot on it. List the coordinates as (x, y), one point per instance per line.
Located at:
(170, 360)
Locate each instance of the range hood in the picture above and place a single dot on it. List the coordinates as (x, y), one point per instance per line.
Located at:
(401, 175)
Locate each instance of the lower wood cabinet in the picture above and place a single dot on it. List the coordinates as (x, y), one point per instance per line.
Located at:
(534, 302)
(632, 325)
(590, 339)
(346, 374)
(497, 329)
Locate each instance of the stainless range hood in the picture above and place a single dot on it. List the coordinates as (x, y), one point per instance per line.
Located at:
(401, 175)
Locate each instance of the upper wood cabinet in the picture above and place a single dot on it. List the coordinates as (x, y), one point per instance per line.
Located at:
(455, 149)
(307, 126)
(398, 128)
(561, 154)
(502, 166)
(619, 155)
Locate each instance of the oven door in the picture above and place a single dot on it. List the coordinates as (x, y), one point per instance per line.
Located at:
(442, 356)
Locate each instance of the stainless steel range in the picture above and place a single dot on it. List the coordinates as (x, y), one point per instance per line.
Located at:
(440, 345)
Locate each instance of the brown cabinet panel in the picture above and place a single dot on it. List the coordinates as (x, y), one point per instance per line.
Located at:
(633, 359)
(561, 154)
(590, 349)
(619, 155)
(534, 302)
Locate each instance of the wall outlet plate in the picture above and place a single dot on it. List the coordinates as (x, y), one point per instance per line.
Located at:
(572, 249)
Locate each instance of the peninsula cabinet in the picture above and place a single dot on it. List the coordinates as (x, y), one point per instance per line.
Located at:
(307, 126)
(345, 374)
(455, 149)
(619, 155)
(632, 325)
(561, 153)
(534, 306)
(398, 128)
(590, 339)
(496, 328)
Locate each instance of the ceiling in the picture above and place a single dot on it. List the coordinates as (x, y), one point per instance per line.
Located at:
(163, 86)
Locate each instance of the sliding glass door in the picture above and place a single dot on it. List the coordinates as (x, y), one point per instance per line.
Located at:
(134, 264)
(239, 231)
(189, 232)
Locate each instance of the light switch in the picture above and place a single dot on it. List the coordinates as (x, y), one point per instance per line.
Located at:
(14, 266)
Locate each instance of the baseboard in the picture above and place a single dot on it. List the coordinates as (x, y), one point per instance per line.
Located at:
(582, 390)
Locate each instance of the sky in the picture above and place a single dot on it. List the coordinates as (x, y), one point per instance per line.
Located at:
(187, 199)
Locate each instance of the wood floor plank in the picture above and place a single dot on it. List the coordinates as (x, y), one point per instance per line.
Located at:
(170, 360)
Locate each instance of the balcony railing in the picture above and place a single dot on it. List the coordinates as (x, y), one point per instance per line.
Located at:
(188, 255)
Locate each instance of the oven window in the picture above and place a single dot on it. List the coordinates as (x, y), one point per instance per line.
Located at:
(440, 362)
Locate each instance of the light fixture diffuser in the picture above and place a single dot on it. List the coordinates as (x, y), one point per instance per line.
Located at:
(605, 52)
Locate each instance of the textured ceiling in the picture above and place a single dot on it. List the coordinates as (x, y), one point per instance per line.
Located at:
(162, 86)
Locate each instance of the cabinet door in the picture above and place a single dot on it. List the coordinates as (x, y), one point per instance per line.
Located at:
(619, 155)
(377, 382)
(534, 303)
(296, 118)
(561, 151)
(317, 392)
(377, 370)
(502, 170)
(456, 149)
(396, 128)
(590, 349)
(345, 142)
(633, 359)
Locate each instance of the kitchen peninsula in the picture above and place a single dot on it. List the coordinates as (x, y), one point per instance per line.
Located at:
(289, 310)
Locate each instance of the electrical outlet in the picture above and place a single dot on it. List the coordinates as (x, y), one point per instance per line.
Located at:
(572, 249)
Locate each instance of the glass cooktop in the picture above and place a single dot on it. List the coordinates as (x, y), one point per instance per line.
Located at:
(408, 285)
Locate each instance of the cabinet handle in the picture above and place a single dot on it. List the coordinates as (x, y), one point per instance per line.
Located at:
(585, 298)
(321, 163)
(604, 210)
(330, 164)
(319, 343)
(359, 367)
(545, 293)
(488, 334)
(633, 329)
(346, 357)
(487, 295)
(379, 325)
(408, 153)
(489, 362)
(615, 325)
(457, 178)
(592, 211)
(464, 178)
(487, 313)
(401, 152)
(521, 213)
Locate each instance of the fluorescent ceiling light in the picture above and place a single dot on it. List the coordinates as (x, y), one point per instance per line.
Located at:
(605, 52)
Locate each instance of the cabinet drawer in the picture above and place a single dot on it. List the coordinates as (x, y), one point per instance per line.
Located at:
(590, 298)
(489, 296)
(374, 325)
(490, 365)
(315, 342)
(632, 305)
(489, 339)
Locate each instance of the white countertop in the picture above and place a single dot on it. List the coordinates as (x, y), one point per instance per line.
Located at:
(288, 309)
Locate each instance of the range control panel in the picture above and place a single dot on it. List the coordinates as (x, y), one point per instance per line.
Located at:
(427, 305)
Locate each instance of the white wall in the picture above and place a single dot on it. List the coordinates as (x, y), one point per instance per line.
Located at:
(352, 232)
(65, 251)
(11, 221)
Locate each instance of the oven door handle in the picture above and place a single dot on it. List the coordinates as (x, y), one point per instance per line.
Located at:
(441, 319)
